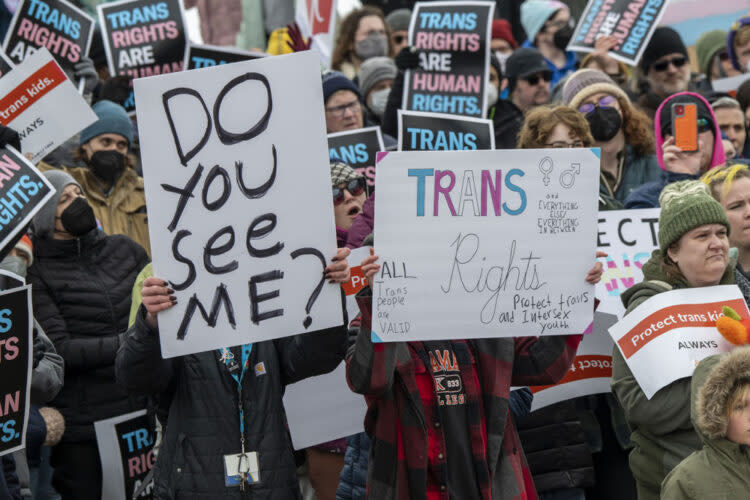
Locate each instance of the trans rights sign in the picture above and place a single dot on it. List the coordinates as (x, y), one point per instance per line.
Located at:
(419, 131)
(358, 148)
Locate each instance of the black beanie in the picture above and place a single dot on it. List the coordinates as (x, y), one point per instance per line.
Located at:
(664, 41)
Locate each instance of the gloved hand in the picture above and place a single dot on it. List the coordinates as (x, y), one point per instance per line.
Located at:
(9, 137)
(84, 69)
(297, 42)
(408, 58)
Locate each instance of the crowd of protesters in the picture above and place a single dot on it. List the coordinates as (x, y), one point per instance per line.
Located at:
(96, 301)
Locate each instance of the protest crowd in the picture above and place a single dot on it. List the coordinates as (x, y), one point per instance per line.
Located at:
(112, 381)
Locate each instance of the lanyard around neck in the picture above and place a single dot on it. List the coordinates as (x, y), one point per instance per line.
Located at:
(237, 372)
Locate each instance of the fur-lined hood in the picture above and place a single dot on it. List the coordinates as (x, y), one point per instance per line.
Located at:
(720, 374)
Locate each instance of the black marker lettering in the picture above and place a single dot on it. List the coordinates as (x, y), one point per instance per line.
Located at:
(211, 251)
(185, 193)
(221, 296)
(226, 189)
(261, 190)
(255, 232)
(185, 157)
(255, 298)
(229, 138)
(180, 258)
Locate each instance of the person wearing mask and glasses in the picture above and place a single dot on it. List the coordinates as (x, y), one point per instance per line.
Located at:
(362, 34)
(549, 28)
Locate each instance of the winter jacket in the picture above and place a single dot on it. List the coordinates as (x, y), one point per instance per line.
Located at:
(386, 375)
(353, 480)
(662, 432)
(638, 170)
(721, 470)
(743, 282)
(363, 225)
(508, 121)
(10, 488)
(81, 298)
(123, 211)
(571, 64)
(47, 377)
(647, 196)
(204, 424)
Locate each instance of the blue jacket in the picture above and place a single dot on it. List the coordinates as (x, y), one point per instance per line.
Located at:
(571, 64)
(353, 482)
(647, 196)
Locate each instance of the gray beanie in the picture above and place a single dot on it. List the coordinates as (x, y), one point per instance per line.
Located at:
(43, 223)
(398, 20)
(374, 70)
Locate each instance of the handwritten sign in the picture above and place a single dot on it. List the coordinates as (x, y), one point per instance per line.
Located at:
(206, 56)
(663, 339)
(484, 243)
(41, 104)
(225, 157)
(317, 20)
(126, 451)
(58, 25)
(358, 148)
(454, 38)
(16, 357)
(632, 22)
(418, 131)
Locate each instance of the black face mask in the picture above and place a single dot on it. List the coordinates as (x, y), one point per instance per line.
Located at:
(563, 36)
(107, 165)
(604, 123)
(78, 218)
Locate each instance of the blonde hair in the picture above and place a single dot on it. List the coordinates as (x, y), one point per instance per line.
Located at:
(737, 395)
(720, 180)
(742, 37)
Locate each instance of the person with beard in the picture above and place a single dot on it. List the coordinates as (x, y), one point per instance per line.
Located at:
(398, 22)
(109, 181)
(622, 132)
(362, 34)
(678, 165)
(549, 28)
(82, 281)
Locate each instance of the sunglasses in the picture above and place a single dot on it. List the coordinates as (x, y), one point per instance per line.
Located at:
(534, 79)
(677, 62)
(355, 187)
(606, 101)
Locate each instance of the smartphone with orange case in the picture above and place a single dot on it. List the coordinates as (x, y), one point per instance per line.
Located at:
(685, 126)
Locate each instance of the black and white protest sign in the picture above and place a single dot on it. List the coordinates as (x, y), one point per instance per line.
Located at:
(631, 22)
(126, 451)
(57, 25)
(418, 131)
(237, 179)
(41, 104)
(16, 345)
(206, 56)
(357, 148)
(454, 40)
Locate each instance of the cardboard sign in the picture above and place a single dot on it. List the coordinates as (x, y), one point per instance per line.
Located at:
(42, 105)
(5, 64)
(632, 22)
(628, 237)
(663, 339)
(126, 451)
(590, 372)
(730, 84)
(419, 131)
(16, 352)
(317, 19)
(484, 243)
(240, 193)
(57, 25)
(143, 38)
(454, 64)
(206, 56)
(358, 148)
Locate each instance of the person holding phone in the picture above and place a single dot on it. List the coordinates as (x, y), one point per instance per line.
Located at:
(685, 119)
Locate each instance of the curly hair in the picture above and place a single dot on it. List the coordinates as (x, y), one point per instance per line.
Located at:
(342, 50)
(638, 130)
(541, 121)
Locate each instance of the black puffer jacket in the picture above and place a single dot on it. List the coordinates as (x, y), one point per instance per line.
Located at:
(203, 423)
(81, 296)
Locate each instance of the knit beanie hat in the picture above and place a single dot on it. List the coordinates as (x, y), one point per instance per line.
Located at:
(664, 41)
(398, 20)
(686, 205)
(113, 119)
(707, 45)
(43, 223)
(374, 70)
(342, 173)
(333, 81)
(587, 82)
(501, 30)
(55, 423)
(534, 13)
(738, 25)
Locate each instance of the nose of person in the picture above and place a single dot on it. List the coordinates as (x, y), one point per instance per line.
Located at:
(347, 196)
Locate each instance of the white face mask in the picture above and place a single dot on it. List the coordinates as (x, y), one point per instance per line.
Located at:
(491, 94)
(502, 58)
(379, 100)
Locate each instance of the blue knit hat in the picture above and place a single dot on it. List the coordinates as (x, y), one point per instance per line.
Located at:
(113, 119)
(333, 81)
(534, 13)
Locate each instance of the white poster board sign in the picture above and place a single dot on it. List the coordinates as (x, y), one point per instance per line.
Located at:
(663, 339)
(730, 84)
(42, 105)
(237, 180)
(484, 243)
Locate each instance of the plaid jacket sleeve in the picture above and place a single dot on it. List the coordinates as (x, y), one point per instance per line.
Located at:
(543, 360)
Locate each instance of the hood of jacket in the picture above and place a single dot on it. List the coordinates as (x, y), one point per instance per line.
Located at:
(718, 157)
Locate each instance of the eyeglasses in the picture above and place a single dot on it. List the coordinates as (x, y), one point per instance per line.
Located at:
(355, 187)
(340, 111)
(398, 39)
(534, 79)
(606, 101)
(564, 145)
(677, 62)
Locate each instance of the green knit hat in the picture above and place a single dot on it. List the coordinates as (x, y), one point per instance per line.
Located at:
(708, 44)
(686, 205)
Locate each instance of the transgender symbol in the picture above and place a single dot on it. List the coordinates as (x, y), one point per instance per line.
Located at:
(545, 167)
